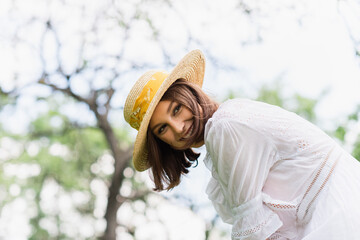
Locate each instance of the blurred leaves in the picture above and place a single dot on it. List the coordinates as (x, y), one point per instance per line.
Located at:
(297, 103)
(340, 133)
(271, 95)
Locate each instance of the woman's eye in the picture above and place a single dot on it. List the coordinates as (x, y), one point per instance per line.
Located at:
(177, 108)
(161, 129)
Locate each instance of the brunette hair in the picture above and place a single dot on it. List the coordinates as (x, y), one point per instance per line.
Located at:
(168, 164)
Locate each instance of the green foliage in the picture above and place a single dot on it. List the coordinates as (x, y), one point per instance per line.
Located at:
(305, 107)
(301, 105)
(231, 95)
(356, 150)
(65, 153)
(77, 148)
(271, 95)
(6, 99)
(340, 133)
(355, 115)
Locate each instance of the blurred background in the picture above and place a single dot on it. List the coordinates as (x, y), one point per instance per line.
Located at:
(67, 66)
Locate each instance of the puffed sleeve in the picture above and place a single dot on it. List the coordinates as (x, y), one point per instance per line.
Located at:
(240, 158)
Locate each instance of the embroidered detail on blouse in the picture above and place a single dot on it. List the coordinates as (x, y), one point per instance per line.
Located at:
(321, 187)
(275, 236)
(303, 144)
(281, 206)
(252, 230)
(316, 186)
(278, 205)
(317, 174)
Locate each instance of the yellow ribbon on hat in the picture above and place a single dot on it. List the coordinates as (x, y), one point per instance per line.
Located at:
(145, 97)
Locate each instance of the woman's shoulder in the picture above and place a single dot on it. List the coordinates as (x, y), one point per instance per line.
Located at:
(260, 116)
(235, 102)
(243, 107)
(239, 107)
(231, 106)
(231, 113)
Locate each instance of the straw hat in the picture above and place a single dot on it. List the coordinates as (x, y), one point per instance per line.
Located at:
(146, 94)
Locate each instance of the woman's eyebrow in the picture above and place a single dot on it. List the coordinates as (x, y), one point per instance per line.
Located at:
(170, 106)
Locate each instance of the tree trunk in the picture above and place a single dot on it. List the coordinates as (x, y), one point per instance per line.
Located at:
(121, 162)
(121, 157)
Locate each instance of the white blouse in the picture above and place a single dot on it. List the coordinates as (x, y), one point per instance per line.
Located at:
(268, 168)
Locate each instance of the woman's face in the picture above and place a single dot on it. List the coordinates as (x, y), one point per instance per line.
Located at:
(172, 123)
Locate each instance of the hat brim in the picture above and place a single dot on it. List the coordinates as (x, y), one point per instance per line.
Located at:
(190, 68)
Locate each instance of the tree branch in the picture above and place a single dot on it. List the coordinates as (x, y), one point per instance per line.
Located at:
(67, 91)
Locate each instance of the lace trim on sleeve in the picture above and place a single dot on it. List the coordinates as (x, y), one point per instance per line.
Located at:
(275, 236)
(249, 226)
(278, 205)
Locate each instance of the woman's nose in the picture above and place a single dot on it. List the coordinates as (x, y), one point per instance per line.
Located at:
(178, 127)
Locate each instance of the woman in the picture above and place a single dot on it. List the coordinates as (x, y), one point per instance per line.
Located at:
(274, 174)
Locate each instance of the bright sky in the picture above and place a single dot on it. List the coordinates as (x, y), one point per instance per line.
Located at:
(305, 43)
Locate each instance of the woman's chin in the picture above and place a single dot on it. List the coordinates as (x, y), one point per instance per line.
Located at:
(198, 144)
(194, 145)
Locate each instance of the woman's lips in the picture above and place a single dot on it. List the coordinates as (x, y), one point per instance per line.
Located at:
(188, 132)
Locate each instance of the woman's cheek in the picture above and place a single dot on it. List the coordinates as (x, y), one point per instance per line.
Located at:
(167, 138)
